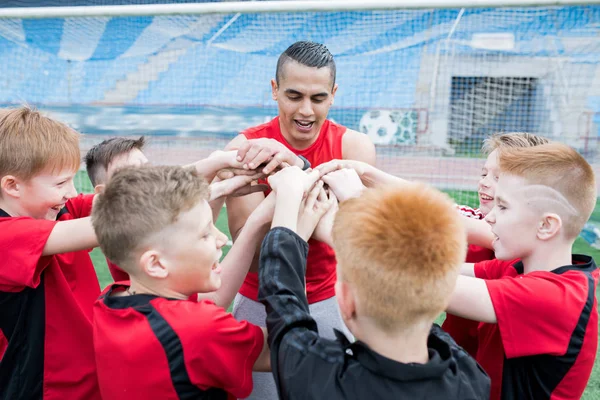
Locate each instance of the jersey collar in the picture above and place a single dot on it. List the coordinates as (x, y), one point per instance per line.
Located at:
(440, 359)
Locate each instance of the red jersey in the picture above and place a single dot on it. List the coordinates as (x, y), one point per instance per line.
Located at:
(321, 263)
(150, 347)
(46, 312)
(544, 343)
(462, 330)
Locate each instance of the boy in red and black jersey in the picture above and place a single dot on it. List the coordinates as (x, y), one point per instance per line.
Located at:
(539, 330)
(463, 330)
(157, 225)
(47, 281)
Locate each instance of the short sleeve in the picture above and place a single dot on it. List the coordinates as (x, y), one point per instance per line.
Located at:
(538, 312)
(80, 206)
(221, 351)
(489, 269)
(22, 241)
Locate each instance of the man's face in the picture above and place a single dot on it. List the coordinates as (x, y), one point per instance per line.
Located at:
(304, 96)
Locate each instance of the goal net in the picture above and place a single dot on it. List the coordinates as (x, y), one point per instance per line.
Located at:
(426, 85)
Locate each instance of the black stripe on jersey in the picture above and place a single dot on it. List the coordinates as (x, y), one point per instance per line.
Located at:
(23, 321)
(174, 350)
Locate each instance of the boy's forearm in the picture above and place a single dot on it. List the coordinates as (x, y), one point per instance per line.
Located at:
(73, 235)
(208, 167)
(479, 233)
(282, 282)
(216, 206)
(373, 176)
(471, 299)
(286, 210)
(236, 264)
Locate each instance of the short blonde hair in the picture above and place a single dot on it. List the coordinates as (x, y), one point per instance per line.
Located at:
(139, 202)
(512, 139)
(401, 249)
(561, 168)
(31, 143)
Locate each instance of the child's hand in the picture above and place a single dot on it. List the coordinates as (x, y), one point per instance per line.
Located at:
(314, 208)
(335, 165)
(322, 232)
(227, 173)
(292, 179)
(345, 183)
(238, 185)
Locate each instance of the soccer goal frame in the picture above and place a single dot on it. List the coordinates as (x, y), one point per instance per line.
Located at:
(267, 7)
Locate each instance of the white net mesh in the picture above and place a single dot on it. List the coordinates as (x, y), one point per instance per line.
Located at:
(426, 85)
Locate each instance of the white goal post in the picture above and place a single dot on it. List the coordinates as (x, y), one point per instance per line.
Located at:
(268, 7)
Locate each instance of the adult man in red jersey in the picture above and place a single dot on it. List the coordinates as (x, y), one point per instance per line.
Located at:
(304, 88)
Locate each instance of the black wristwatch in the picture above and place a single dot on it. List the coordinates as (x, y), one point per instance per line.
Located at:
(306, 163)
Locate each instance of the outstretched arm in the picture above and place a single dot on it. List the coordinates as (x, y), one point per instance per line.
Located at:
(471, 299)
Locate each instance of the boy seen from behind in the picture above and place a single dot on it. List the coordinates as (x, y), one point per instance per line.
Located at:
(539, 334)
(157, 225)
(388, 293)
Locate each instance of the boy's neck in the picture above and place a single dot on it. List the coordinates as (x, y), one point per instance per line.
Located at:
(138, 287)
(406, 346)
(548, 257)
(9, 209)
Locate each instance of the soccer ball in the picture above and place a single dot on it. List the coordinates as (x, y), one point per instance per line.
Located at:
(379, 125)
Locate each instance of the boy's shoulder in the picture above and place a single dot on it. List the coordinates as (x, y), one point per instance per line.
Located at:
(496, 269)
(198, 318)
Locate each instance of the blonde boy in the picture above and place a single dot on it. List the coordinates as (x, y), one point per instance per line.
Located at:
(150, 340)
(388, 294)
(464, 331)
(540, 323)
(47, 281)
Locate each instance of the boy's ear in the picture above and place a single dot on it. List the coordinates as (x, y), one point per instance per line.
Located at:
(10, 185)
(151, 264)
(549, 226)
(345, 298)
(99, 188)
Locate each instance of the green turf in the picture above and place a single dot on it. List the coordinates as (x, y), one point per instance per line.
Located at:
(468, 198)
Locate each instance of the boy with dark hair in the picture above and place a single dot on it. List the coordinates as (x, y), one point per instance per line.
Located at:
(388, 301)
(156, 223)
(47, 281)
(101, 162)
(103, 159)
(539, 322)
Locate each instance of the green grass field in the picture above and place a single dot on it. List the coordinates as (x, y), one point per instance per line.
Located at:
(470, 198)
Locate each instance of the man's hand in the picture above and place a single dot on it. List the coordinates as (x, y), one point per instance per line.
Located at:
(254, 152)
(345, 183)
(315, 206)
(322, 232)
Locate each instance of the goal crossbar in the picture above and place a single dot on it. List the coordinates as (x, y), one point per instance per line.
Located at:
(268, 7)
